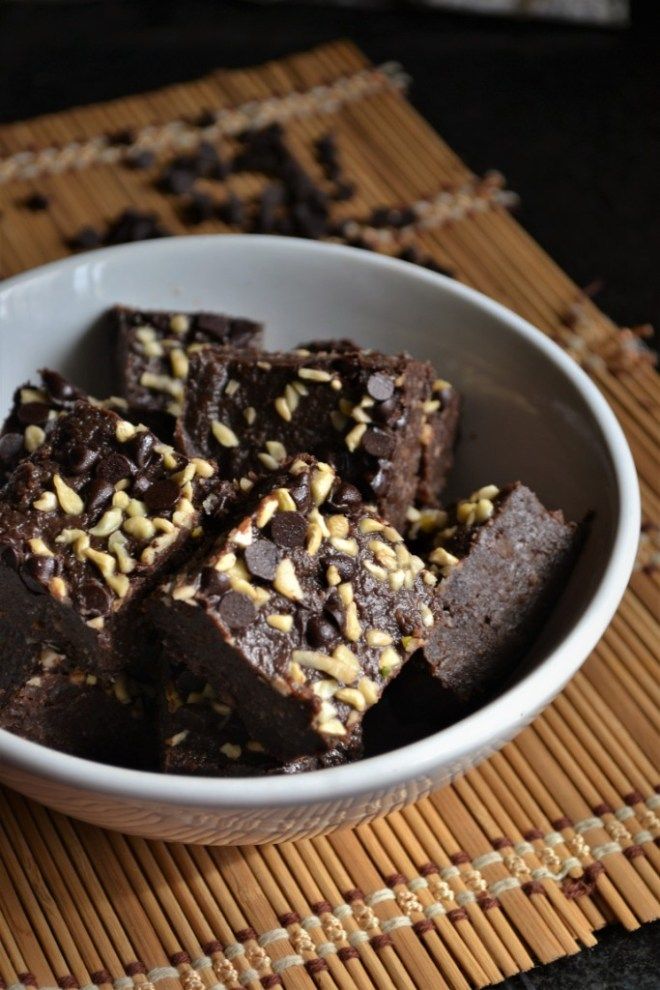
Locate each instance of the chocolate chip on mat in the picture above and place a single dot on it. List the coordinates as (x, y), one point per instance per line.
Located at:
(140, 159)
(232, 211)
(37, 202)
(86, 237)
(200, 207)
(261, 559)
(236, 610)
(289, 529)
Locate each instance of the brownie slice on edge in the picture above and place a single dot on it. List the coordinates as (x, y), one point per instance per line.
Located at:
(304, 611)
(501, 559)
(202, 734)
(154, 350)
(362, 411)
(88, 523)
(75, 712)
(34, 413)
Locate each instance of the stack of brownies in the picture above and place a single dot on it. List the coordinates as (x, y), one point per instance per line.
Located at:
(222, 570)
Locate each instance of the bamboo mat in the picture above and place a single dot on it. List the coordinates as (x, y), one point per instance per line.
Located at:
(517, 863)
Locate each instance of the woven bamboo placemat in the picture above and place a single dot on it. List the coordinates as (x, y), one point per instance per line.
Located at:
(517, 863)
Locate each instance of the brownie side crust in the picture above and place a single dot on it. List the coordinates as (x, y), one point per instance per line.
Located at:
(502, 559)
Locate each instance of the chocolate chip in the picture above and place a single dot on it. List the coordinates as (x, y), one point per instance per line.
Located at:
(99, 493)
(205, 118)
(214, 324)
(289, 529)
(124, 136)
(33, 413)
(236, 610)
(382, 411)
(319, 632)
(11, 445)
(94, 598)
(334, 609)
(86, 237)
(345, 566)
(377, 443)
(162, 495)
(232, 211)
(37, 202)
(200, 207)
(59, 389)
(10, 556)
(141, 447)
(141, 159)
(343, 191)
(114, 468)
(345, 496)
(140, 485)
(214, 583)
(300, 492)
(409, 253)
(326, 148)
(79, 458)
(176, 180)
(262, 558)
(36, 572)
(380, 387)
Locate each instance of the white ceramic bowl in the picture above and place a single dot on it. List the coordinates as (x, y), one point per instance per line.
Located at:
(530, 413)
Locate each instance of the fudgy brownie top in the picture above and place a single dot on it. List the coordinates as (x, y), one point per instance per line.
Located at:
(361, 411)
(314, 594)
(154, 350)
(95, 509)
(35, 410)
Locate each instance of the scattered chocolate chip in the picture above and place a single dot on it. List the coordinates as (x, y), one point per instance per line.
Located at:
(200, 207)
(289, 529)
(140, 159)
(37, 202)
(94, 598)
(345, 496)
(10, 556)
(205, 118)
(162, 495)
(232, 211)
(236, 610)
(334, 609)
(59, 389)
(32, 413)
(87, 237)
(11, 445)
(382, 412)
(343, 190)
(261, 559)
(121, 137)
(326, 148)
(176, 180)
(79, 458)
(377, 443)
(433, 266)
(380, 387)
(36, 572)
(132, 225)
(320, 632)
(409, 253)
(300, 492)
(99, 492)
(214, 583)
(114, 468)
(141, 447)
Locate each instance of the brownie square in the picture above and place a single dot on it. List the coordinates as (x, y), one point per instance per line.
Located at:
(501, 559)
(304, 611)
(362, 411)
(88, 522)
(154, 350)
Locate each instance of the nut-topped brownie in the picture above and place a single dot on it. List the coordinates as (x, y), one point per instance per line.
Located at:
(304, 611)
(154, 350)
(87, 523)
(35, 410)
(362, 411)
(439, 430)
(58, 705)
(501, 559)
(201, 733)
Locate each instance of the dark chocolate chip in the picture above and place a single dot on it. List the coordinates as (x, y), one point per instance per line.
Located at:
(345, 565)
(300, 492)
(94, 598)
(141, 159)
(334, 609)
(36, 572)
(262, 558)
(289, 529)
(320, 632)
(236, 610)
(232, 211)
(214, 325)
(382, 411)
(10, 555)
(214, 583)
(345, 496)
(33, 413)
(59, 389)
(200, 207)
(343, 191)
(11, 445)
(99, 493)
(377, 443)
(115, 467)
(121, 137)
(79, 458)
(141, 446)
(177, 180)
(86, 237)
(37, 202)
(162, 495)
(380, 387)
(409, 253)
(326, 148)
(205, 118)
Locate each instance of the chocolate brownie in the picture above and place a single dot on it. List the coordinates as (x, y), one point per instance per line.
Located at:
(77, 712)
(362, 411)
(304, 611)
(201, 733)
(501, 559)
(87, 524)
(35, 410)
(154, 350)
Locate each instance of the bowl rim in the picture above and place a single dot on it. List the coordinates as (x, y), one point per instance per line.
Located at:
(476, 732)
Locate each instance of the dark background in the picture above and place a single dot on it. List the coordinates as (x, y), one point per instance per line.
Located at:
(571, 115)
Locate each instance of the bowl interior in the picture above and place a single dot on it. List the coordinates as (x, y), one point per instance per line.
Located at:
(524, 417)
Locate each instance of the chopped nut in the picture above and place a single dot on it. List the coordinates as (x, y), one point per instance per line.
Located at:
(427, 615)
(184, 592)
(378, 572)
(370, 525)
(348, 658)
(250, 415)
(346, 592)
(336, 666)
(57, 587)
(369, 689)
(354, 436)
(47, 502)
(179, 323)
(377, 637)
(105, 563)
(241, 535)
(268, 461)
(338, 526)
(321, 482)
(349, 547)
(352, 697)
(28, 395)
(203, 469)
(119, 584)
(286, 582)
(488, 491)
(388, 661)
(396, 580)
(108, 523)
(224, 434)
(314, 538)
(439, 385)
(443, 558)
(117, 546)
(276, 450)
(162, 383)
(285, 501)
(231, 751)
(185, 513)
(332, 727)
(225, 562)
(140, 528)
(38, 547)
(292, 397)
(352, 627)
(283, 623)
(333, 576)
(121, 500)
(484, 510)
(124, 431)
(282, 407)
(314, 374)
(70, 501)
(33, 437)
(325, 688)
(177, 738)
(431, 406)
(411, 643)
(179, 362)
(391, 534)
(98, 623)
(185, 475)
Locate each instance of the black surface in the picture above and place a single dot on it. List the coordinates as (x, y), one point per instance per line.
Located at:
(570, 115)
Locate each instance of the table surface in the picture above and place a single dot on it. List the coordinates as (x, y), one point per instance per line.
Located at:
(569, 115)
